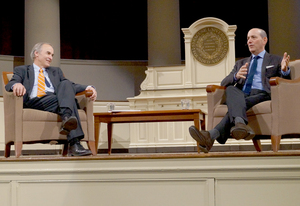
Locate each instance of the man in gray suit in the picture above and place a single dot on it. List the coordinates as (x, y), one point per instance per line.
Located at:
(246, 86)
(58, 97)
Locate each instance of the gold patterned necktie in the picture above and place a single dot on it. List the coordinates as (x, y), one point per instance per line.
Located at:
(41, 84)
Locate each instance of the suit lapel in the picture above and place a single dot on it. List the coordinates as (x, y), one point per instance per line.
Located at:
(30, 77)
(52, 76)
(266, 62)
(264, 65)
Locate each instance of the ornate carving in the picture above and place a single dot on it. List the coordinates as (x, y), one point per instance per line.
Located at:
(210, 45)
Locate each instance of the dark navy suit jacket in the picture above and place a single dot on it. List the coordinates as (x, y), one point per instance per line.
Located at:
(271, 67)
(25, 75)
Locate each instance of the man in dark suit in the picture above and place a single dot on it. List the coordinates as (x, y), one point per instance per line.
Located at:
(246, 86)
(57, 95)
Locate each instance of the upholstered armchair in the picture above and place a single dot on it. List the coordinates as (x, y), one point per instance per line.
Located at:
(275, 119)
(28, 126)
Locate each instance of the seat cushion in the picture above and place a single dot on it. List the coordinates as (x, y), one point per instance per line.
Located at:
(40, 125)
(38, 115)
(260, 108)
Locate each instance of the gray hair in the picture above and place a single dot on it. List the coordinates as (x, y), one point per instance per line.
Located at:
(263, 34)
(37, 47)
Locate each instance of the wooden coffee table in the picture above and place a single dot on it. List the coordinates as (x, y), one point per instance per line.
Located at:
(110, 118)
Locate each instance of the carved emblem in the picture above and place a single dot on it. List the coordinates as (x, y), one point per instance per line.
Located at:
(210, 45)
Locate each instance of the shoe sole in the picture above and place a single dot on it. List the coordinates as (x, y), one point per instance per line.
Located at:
(71, 124)
(68, 126)
(64, 131)
(239, 134)
(78, 155)
(242, 134)
(196, 136)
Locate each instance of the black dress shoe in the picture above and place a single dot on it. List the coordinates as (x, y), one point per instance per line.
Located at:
(78, 150)
(242, 131)
(68, 124)
(203, 138)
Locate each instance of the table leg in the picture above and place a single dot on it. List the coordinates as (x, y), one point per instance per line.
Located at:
(203, 122)
(109, 136)
(197, 125)
(96, 131)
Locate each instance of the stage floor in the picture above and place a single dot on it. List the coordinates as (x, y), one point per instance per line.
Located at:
(128, 156)
(214, 179)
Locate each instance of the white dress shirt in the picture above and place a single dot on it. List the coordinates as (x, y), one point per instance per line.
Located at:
(35, 84)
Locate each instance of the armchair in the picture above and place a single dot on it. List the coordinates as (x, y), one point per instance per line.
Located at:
(275, 119)
(21, 124)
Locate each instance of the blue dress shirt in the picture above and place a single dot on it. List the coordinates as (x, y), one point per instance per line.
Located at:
(257, 84)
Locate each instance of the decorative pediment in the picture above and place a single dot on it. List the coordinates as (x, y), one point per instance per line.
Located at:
(209, 57)
(209, 51)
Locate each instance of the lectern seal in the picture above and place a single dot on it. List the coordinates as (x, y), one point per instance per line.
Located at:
(210, 45)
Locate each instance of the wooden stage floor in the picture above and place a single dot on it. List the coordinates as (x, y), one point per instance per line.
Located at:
(128, 156)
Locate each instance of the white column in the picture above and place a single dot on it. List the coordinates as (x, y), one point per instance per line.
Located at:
(163, 33)
(284, 30)
(42, 24)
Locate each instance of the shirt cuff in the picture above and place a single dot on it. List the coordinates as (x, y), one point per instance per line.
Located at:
(234, 77)
(90, 86)
(286, 73)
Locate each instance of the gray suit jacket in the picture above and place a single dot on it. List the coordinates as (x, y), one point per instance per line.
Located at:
(271, 67)
(25, 75)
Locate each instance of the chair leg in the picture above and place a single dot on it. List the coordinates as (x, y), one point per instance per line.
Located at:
(275, 140)
(92, 147)
(257, 144)
(18, 148)
(65, 149)
(7, 150)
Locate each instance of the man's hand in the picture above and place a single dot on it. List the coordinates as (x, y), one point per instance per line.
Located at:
(94, 95)
(19, 90)
(285, 62)
(242, 73)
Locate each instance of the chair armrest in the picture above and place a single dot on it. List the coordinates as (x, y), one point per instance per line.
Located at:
(87, 104)
(83, 99)
(13, 115)
(278, 80)
(87, 93)
(213, 88)
(215, 96)
(285, 105)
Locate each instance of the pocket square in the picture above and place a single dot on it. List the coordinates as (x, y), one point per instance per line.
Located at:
(270, 66)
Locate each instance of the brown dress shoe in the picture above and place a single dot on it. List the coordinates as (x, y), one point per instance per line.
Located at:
(203, 138)
(68, 124)
(242, 131)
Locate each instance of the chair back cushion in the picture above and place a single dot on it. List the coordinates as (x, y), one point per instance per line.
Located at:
(295, 68)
